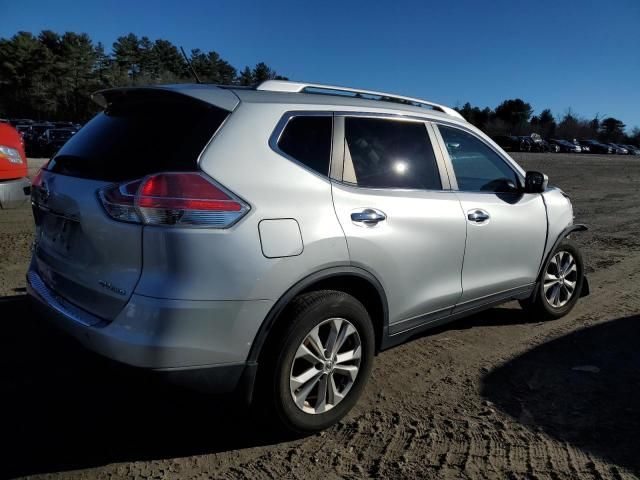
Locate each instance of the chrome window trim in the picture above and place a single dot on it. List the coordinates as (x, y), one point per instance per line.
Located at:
(444, 179)
(453, 181)
(279, 129)
(517, 169)
(441, 162)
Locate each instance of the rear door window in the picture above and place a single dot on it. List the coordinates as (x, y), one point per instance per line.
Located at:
(307, 139)
(387, 153)
(141, 134)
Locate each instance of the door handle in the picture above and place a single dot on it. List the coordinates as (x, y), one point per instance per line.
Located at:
(368, 216)
(477, 216)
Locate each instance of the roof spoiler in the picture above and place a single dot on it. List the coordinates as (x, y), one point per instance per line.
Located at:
(211, 94)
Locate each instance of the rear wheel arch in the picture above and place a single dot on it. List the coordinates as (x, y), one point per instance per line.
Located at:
(354, 281)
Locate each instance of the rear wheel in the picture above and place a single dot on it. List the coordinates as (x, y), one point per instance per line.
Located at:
(561, 283)
(319, 363)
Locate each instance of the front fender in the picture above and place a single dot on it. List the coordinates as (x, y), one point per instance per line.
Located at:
(578, 227)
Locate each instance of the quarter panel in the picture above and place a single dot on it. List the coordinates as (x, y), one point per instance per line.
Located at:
(210, 264)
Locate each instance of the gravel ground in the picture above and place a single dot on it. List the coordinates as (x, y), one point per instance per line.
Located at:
(496, 395)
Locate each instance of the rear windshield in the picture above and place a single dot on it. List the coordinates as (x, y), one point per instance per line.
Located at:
(140, 135)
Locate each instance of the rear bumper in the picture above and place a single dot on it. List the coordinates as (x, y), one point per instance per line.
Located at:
(14, 193)
(202, 344)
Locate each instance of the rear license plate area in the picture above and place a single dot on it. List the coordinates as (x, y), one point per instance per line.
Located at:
(57, 233)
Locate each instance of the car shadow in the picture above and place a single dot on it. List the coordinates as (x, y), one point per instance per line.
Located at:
(64, 408)
(582, 389)
(495, 317)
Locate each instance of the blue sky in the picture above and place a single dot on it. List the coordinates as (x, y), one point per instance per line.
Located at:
(581, 54)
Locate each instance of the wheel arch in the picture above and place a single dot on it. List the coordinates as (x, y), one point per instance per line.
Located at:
(355, 281)
(578, 227)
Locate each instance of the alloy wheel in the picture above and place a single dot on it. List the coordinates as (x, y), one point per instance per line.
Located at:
(325, 366)
(560, 279)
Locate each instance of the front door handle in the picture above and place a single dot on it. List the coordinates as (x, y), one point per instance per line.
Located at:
(477, 216)
(368, 216)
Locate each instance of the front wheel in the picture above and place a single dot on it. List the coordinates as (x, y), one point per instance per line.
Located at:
(318, 366)
(561, 283)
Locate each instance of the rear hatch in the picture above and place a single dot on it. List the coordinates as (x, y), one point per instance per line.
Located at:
(81, 253)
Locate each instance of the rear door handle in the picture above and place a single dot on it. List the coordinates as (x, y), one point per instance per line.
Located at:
(368, 216)
(477, 216)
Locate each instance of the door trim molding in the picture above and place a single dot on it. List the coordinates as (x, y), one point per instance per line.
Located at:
(431, 320)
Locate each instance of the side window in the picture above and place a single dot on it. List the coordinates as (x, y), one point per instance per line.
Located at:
(477, 167)
(383, 153)
(308, 140)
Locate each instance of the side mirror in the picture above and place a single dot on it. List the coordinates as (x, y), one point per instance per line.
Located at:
(535, 182)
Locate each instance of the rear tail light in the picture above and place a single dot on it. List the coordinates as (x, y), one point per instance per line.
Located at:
(181, 199)
(11, 154)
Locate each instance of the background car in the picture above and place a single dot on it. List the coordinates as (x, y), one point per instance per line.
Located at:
(72, 125)
(31, 137)
(24, 131)
(539, 144)
(53, 139)
(21, 121)
(526, 144)
(14, 186)
(565, 146)
(596, 147)
(619, 149)
(584, 148)
(633, 150)
(508, 142)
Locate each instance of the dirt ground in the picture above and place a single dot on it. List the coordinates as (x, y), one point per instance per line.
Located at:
(493, 396)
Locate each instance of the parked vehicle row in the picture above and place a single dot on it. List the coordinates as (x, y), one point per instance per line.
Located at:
(43, 139)
(535, 143)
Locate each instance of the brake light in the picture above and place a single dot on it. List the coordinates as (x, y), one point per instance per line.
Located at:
(184, 199)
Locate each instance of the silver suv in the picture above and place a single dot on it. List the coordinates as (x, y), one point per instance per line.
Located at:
(271, 240)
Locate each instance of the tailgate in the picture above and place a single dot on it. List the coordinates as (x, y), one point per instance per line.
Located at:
(81, 254)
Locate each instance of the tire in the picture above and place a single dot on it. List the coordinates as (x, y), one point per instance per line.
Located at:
(284, 366)
(544, 303)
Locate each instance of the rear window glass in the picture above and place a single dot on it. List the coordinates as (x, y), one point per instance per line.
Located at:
(308, 140)
(139, 136)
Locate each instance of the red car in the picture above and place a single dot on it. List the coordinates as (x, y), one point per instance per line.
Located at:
(14, 184)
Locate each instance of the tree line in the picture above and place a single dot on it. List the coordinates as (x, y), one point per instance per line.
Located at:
(515, 117)
(51, 76)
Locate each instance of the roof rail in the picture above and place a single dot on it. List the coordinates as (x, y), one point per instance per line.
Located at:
(298, 87)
